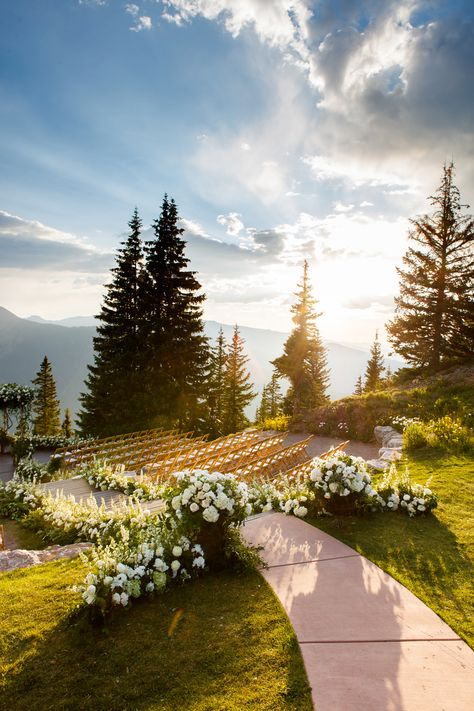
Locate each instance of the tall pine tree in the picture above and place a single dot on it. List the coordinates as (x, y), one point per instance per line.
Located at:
(375, 367)
(177, 350)
(303, 361)
(113, 402)
(434, 318)
(238, 392)
(215, 386)
(46, 417)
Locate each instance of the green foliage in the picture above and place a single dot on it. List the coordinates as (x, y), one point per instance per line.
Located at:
(238, 391)
(113, 401)
(448, 393)
(31, 470)
(415, 436)
(434, 320)
(66, 426)
(271, 402)
(303, 361)
(375, 368)
(151, 355)
(46, 421)
(175, 348)
(445, 433)
(215, 386)
(280, 423)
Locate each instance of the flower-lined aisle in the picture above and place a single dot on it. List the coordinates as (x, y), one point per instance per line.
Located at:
(138, 552)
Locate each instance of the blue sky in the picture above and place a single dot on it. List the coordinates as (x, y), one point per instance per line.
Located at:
(284, 129)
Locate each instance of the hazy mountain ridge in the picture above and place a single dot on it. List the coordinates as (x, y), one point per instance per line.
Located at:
(69, 347)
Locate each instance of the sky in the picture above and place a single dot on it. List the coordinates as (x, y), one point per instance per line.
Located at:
(284, 129)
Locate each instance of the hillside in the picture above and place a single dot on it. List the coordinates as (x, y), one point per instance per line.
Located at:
(24, 342)
(450, 391)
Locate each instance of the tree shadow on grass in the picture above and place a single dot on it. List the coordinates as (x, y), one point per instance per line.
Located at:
(232, 649)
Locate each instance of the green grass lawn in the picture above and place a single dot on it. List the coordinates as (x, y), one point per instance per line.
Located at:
(17, 536)
(232, 649)
(433, 556)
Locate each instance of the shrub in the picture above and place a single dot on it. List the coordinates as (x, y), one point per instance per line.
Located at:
(280, 423)
(445, 433)
(415, 436)
(29, 469)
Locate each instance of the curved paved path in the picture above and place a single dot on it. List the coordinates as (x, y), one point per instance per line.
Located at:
(367, 642)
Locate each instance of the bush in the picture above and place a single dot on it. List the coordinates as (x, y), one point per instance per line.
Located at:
(415, 436)
(445, 433)
(280, 423)
(29, 469)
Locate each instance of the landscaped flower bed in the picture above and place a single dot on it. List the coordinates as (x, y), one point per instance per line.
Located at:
(138, 552)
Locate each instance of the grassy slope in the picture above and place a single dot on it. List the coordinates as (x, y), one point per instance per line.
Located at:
(233, 648)
(433, 556)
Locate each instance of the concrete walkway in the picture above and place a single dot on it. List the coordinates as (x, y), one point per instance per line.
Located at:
(368, 644)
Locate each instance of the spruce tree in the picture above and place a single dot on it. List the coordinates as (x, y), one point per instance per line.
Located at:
(113, 403)
(66, 426)
(238, 392)
(358, 390)
(275, 397)
(303, 361)
(263, 410)
(178, 352)
(434, 317)
(375, 367)
(46, 420)
(215, 386)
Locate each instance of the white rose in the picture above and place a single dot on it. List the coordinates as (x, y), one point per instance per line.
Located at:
(177, 551)
(199, 562)
(175, 565)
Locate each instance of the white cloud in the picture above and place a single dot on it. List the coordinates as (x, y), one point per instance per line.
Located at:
(193, 228)
(132, 9)
(31, 245)
(340, 207)
(279, 22)
(232, 223)
(141, 23)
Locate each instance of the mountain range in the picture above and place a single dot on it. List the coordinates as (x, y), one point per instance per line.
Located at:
(69, 347)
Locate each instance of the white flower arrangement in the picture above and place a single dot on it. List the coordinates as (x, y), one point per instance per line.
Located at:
(104, 476)
(284, 494)
(342, 475)
(398, 492)
(199, 496)
(123, 571)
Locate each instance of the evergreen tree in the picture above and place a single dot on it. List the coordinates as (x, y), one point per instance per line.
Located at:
(304, 358)
(275, 398)
(375, 367)
(263, 410)
(358, 390)
(434, 318)
(66, 427)
(238, 392)
(46, 404)
(178, 352)
(215, 386)
(115, 384)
